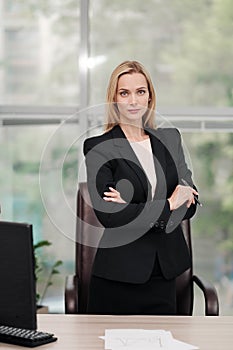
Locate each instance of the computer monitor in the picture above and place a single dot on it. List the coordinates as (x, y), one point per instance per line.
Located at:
(17, 276)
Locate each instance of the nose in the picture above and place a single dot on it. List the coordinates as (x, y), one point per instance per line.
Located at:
(133, 99)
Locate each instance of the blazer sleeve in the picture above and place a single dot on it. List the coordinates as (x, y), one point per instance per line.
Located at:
(133, 216)
(185, 173)
(173, 142)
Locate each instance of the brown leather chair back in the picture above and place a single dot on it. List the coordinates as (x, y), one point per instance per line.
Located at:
(88, 233)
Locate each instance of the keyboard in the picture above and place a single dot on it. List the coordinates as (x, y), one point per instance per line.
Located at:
(24, 337)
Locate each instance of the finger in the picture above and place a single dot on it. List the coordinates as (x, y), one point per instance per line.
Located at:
(110, 194)
(190, 201)
(113, 190)
(195, 192)
(192, 194)
(108, 199)
(191, 189)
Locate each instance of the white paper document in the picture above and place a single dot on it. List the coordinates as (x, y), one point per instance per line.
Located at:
(135, 339)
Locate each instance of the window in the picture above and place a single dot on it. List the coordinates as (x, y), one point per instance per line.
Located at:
(39, 48)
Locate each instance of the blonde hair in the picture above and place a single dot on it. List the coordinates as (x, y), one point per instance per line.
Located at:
(112, 113)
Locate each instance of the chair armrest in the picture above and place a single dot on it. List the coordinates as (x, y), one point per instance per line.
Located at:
(71, 295)
(210, 295)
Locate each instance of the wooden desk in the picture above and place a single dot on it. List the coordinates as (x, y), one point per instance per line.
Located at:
(80, 332)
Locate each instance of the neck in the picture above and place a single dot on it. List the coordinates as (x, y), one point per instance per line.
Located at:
(133, 132)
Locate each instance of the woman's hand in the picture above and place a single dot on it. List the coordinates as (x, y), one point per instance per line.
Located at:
(181, 195)
(113, 196)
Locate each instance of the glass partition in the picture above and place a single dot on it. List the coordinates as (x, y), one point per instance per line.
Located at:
(186, 46)
(39, 45)
(34, 161)
(211, 154)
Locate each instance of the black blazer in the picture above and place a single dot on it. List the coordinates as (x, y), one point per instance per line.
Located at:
(144, 227)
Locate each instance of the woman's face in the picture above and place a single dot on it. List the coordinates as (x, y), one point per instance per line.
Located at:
(132, 97)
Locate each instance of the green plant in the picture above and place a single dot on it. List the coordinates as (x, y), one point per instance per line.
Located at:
(39, 268)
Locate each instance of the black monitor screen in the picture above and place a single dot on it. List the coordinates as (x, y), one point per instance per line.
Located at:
(17, 276)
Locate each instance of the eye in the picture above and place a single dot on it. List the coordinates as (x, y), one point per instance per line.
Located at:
(124, 93)
(141, 92)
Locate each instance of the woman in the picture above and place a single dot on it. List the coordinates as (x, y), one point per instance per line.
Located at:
(135, 175)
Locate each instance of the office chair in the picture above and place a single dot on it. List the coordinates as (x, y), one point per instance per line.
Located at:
(76, 290)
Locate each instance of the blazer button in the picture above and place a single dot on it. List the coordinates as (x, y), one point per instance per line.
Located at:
(151, 224)
(156, 224)
(162, 224)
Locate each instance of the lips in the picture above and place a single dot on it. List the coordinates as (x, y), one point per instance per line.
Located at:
(133, 111)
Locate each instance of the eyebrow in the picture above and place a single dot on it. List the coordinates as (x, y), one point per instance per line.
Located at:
(139, 88)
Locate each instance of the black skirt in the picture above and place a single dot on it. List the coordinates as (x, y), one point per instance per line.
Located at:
(157, 296)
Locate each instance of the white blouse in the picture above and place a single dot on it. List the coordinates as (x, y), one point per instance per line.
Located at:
(144, 154)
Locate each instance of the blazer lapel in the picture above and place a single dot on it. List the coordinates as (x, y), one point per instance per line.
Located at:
(125, 150)
(158, 150)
